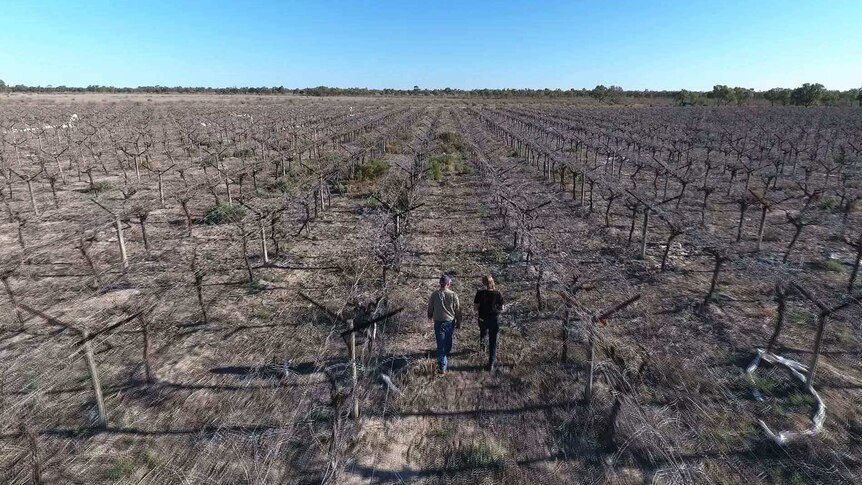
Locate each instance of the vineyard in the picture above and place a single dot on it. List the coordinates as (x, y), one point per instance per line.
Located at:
(233, 290)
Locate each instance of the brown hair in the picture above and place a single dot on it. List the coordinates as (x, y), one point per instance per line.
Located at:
(445, 280)
(489, 282)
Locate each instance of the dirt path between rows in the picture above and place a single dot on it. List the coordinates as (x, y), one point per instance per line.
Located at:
(444, 427)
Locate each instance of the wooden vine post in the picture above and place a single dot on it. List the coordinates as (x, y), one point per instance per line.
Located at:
(765, 207)
(645, 225)
(592, 319)
(88, 356)
(263, 249)
(397, 216)
(34, 455)
(85, 343)
(118, 226)
(350, 339)
(720, 257)
(147, 350)
(354, 375)
(570, 312)
(781, 298)
(85, 243)
(29, 180)
(102, 419)
(857, 246)
(5, 279)
(199, 275)
(822, 317)
(159, 174)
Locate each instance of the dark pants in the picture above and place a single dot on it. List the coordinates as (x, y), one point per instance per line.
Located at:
(443, 334)
(490, 326)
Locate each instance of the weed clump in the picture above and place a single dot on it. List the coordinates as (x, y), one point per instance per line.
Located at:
(451, 142)
(372, 203)
(797, 317)
(476, 455)
(100, 187)
(339, 188)
(281, 185)
(830, 203)
(223, 213)
(447, 164)
(373, 170)
(242, 153)
(834, 266)
(120, 469)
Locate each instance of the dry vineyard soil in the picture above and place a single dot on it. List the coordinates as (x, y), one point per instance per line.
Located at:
(180, 275)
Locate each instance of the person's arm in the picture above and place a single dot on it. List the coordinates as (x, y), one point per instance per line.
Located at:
(457, 310)
(499, 302)
(476, 305)
(431, 307)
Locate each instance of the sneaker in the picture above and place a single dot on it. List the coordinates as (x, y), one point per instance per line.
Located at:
(441, 372)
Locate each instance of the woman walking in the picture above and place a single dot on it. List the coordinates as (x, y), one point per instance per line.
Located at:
(488, 304)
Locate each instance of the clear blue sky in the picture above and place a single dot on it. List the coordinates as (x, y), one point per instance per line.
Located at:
(654, 44)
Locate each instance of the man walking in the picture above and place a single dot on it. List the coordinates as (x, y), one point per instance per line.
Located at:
(444, 309)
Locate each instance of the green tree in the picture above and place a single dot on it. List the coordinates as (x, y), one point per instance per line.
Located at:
(741, 95)
(778, 95)
(808, 94)
(859, 96)
(830, 98)
(2, 86)
(688, 98)
(614, 93)
(599, 92)
(722, 94)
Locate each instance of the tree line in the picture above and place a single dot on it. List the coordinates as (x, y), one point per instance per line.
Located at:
(809, 94)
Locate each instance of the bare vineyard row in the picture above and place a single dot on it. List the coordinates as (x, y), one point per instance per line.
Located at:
(132, 216)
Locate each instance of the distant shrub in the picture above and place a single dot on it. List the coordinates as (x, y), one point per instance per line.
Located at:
(436, 167)
(101, 187)
(120, 469)
(451, 142)
(476, 455)
(372, 203)
(844, 336)
(830, 203)
(796, 317)
(801, 399)
(373, 169)
(223, 213)
(834, 266)
(393, 147)
(339, 188)
(447, 164)
(242, 153)
(765, 383)
(281, 185)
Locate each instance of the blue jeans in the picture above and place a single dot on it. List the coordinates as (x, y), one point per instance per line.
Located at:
(443, 332)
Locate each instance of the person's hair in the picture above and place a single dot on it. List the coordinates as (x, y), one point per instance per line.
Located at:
(445, 280)
(489, 282)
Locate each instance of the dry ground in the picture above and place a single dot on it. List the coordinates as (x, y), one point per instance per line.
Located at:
(248, 397)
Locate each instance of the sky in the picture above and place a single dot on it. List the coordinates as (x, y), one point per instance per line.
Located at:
(649, 44)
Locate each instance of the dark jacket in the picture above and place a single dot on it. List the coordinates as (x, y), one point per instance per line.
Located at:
(490, 303)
